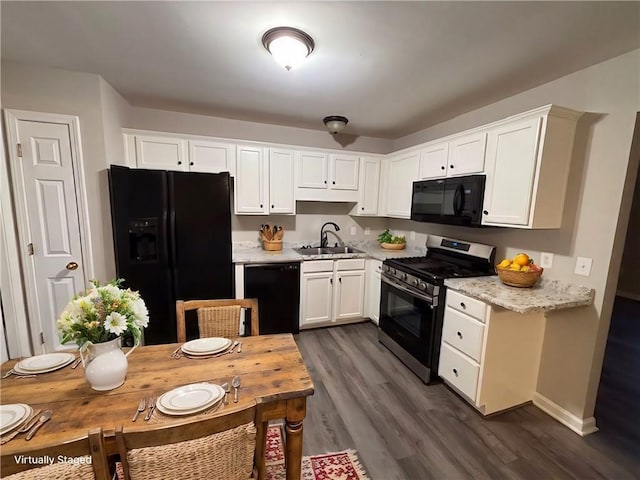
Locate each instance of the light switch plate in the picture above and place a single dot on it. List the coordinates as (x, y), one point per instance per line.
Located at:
(367, 231)
(353, 230)
(583, 266)
(546, 259)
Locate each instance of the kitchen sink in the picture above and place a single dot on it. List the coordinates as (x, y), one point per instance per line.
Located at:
(327, 250)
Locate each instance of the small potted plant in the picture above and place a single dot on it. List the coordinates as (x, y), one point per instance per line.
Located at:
(391, 242)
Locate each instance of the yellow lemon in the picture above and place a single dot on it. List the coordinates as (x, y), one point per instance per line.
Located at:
(504, 263)
(514, 266)
(525, 268)
(522, 259)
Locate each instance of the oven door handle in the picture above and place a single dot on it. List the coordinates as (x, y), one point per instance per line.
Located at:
(426, 298)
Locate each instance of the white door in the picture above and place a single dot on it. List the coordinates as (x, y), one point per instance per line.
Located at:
(251, 184)
(161, 153)
(211, 157)
(312, 168)
(466, 154)
(281, 181)
(344, 172)
(403, 171)
(49, 231)
(316, 298)
(349, 297)
(369, 186)
(434, 160)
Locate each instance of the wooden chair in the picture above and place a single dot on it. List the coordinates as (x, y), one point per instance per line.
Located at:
(217, 318)
(215, 447)
(67, 461)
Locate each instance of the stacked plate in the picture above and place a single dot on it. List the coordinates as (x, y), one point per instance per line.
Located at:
(43, 363)
(12, 416)
(206, 346)
(190, 399)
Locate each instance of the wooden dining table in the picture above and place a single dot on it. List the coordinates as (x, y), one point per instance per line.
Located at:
(273, 376)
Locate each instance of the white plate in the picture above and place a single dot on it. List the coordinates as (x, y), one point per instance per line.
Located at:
(189, 398)
(13, 415)
(45, 362)
(18, 369)
(186, 412)
(206, 346)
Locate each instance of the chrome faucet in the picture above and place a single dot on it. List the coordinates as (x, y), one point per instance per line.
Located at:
(323, 234)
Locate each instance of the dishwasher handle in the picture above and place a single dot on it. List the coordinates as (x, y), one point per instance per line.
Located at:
(274, 266)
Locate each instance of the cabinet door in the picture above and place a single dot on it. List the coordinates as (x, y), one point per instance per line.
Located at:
(369, 186)
(343, 172)
(433, 161)
(349, 294)
(250, 190)
(161, 153)
(372, 302)
(281, 181)
(466, 154)
(211, 157)
(316, 296)
(512, 152)
(403, 171)
(312, 169)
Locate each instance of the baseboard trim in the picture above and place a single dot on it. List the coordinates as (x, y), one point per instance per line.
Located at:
(581, 426)
(629, 295)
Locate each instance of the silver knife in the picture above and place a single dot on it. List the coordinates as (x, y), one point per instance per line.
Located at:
(44, 418)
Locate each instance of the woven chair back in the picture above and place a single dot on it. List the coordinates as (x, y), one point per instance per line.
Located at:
(219, 321)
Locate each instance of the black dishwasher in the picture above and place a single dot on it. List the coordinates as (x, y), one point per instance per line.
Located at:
(277, 288)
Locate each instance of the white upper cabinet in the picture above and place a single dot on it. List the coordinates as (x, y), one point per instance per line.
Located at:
(343, 172)
(161, 153)
(251, 186)
(211, 157)
(328, 178)
(281, 181)
(369, 187)
(312, 171)
(166, 152)
(462, 155)
(400, 173)
(527, 168)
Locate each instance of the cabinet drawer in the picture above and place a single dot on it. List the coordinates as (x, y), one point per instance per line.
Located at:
(463, 332)
(459, 371)
(472, 307)
(317, 266)
(350, 264)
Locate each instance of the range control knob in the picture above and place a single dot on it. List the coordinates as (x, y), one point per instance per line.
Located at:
(403, 276)
(394, 271)
(422, 286)
(416, 282)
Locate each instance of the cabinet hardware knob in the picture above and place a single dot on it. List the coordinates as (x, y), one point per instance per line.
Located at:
(463, 305)
(334, 182)
(361, 208)
(331, 281)
(273, 206)
(179, 162)
(340, 279)
(485, 212)
(325, 182)
(260, 205)
(455, 372)
(459, 334)
(442, 167)
(190, 163)
(450, 166)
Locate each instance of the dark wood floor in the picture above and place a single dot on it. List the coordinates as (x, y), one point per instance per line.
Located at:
(367, 400)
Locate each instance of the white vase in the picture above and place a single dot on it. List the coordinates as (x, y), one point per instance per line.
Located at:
(105, 364)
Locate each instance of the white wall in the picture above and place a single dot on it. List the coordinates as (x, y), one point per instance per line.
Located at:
(574, 339)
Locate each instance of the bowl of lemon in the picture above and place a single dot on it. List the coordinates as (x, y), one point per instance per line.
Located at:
(520, 271)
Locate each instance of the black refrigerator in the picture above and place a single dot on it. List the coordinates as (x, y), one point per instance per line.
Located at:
(172, 238)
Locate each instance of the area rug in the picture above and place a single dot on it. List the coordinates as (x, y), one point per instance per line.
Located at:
(329, 466)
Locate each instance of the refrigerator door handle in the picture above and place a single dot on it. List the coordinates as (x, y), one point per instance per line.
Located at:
(172, 237)
(166, 243)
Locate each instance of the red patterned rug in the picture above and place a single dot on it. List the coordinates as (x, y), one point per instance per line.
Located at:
(330, 466)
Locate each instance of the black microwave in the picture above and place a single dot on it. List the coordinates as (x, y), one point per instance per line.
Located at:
(455, 200)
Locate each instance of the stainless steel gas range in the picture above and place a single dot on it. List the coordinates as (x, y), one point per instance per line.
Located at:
(412, 299)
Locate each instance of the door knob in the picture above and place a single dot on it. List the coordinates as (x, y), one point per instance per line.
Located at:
(72, 266)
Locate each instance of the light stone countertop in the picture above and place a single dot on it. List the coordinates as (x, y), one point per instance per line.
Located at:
(543, 296)
(255, 254)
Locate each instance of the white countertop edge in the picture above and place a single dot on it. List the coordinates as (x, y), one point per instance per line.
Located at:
(257, 255)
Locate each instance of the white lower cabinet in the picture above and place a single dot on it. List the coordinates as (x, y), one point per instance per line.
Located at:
(490, 355)
(372, 294)
(331, 291)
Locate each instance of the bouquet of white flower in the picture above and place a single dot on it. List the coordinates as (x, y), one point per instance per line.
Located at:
(102, 313)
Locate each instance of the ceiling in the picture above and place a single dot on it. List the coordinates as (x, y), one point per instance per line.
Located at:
(391, 67)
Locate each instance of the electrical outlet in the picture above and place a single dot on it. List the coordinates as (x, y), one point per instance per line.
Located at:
(367, 231)
(412, 235)
(583, 266)
(546, 260)
(353, 230)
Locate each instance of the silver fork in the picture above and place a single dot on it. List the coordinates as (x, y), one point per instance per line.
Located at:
(141, 407)
(176, 353)
(152, 407)
(26, 426)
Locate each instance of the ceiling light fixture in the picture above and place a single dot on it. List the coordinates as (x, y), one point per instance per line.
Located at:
(289, 46)
(335, 123)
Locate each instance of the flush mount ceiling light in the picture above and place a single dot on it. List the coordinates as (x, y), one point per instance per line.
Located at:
(335, 123)
(289, 46)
